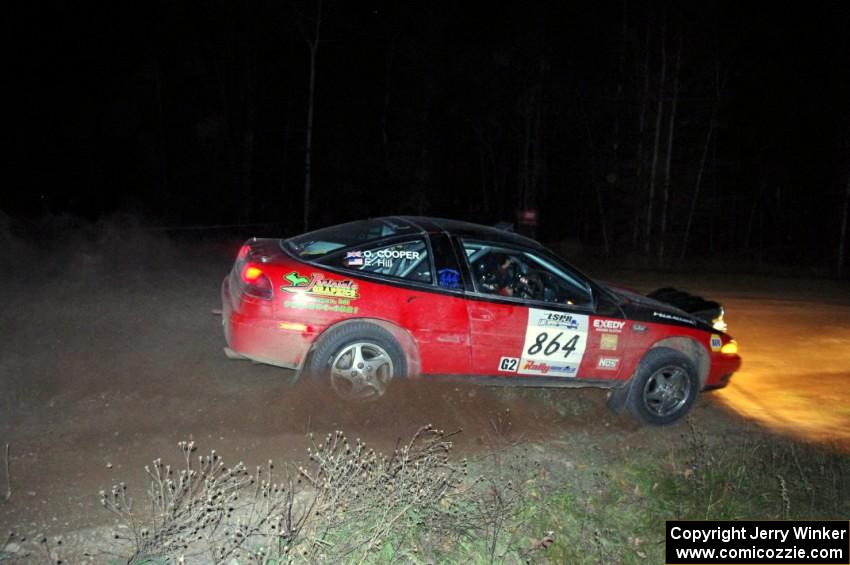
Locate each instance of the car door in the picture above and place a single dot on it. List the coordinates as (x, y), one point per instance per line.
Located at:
(420, 291)
(532, 318)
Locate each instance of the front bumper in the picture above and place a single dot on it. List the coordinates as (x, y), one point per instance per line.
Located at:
(722, 369)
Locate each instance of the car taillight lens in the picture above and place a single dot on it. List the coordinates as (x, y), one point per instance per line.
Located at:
(255, 282)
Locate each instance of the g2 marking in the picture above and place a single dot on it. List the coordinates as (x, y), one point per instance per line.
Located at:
(508, 364)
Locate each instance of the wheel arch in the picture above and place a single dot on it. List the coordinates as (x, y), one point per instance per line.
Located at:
(402, 336)
(693, 350)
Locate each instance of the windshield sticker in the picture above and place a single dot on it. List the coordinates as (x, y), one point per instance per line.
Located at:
(608, 342)
(554, 343)
(354, 258)
(448, 278)
(319, 285)
(379, 258)
(716, 342)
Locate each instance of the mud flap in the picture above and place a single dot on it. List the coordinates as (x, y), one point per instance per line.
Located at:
(617, 398)
(232, 354)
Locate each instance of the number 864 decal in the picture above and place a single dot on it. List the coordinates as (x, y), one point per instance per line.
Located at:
(554, 343)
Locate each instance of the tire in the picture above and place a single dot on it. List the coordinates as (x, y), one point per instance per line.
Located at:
(664, 387)
(358, 359)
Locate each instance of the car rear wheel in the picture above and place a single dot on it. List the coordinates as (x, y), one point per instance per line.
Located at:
(664, 387)
(359, 360)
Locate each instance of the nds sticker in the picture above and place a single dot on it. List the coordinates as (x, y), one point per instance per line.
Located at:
(716, 342)
(554, 343)
(608, 363)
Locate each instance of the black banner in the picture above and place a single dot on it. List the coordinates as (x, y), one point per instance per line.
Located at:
(758, 542)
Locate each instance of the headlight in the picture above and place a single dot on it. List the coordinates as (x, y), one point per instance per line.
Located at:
(718, 323)
(730, 348)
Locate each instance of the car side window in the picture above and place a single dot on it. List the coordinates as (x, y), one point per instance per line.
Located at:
(522, 274)
(407, 260)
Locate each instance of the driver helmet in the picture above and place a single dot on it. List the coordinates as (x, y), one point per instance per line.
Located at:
(493, 273)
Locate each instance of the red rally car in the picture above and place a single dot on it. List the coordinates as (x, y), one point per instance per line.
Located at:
(363, 303)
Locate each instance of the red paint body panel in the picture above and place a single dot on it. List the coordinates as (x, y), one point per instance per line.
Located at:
(436, 322)
(452, 332)
(720, 365)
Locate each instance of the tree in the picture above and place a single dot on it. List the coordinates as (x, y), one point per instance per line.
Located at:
(313, 38)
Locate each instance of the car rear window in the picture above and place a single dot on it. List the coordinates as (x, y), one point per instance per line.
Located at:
(321, 242)
(402, 260)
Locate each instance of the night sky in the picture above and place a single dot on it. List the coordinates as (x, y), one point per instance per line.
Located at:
(190, 113)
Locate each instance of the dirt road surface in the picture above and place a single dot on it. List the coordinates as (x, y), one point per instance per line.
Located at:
(107, 361)
(794, 338)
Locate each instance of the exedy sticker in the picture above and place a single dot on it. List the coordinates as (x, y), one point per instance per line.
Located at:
(554, 343)
(615, 326)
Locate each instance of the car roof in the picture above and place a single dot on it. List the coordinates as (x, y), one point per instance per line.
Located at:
(466, 229)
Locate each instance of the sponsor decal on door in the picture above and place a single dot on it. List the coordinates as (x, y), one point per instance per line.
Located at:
(554, 343)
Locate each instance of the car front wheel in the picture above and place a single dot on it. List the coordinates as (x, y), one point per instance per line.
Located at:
(664, 387)
(359, 360)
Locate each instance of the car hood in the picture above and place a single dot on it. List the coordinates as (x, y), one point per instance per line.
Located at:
(637, 306)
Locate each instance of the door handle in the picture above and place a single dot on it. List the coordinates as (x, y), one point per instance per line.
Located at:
(483, 315)
(453, 338)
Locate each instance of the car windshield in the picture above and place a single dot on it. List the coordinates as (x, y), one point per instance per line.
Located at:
(320, 242)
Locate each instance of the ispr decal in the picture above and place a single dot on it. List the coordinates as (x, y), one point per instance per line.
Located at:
(554, 343)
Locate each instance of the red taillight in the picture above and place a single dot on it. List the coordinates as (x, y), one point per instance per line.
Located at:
(256, 283)
(251, 274)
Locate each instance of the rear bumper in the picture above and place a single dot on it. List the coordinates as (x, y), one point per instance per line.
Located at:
(261, 338)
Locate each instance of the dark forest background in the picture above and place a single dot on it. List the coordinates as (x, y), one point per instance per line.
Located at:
(650, 132)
